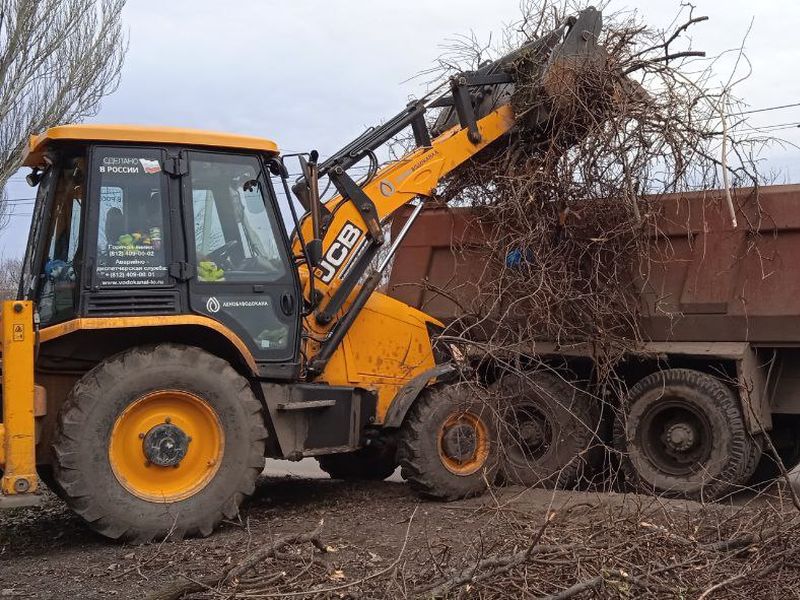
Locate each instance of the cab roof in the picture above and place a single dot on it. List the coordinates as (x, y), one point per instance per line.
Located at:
(38, 144)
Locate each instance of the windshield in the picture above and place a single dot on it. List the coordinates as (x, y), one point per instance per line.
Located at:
(236, 235)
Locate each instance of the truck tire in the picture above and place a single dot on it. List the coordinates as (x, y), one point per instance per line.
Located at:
(375, 462)
(684, 436)
(159, 441)
(448, 443)
(549, 430)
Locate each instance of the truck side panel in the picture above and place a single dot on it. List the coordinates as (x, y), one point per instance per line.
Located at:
(717, 284)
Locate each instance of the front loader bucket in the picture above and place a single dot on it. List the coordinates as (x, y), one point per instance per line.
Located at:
(17, 428)
(553, 66)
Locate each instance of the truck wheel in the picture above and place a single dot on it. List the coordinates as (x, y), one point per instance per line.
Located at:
(159, 441)
(684, 436)
(548, 430)
(375, 462)
(448, 443)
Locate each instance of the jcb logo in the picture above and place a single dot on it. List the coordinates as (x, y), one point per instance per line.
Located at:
(339, 251)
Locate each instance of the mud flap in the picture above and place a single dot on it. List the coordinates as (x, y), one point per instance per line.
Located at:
(409, 392)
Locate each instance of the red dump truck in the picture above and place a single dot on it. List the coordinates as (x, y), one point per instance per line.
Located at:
(714, 393)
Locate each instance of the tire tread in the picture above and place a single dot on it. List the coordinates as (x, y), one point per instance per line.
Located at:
(79, 488)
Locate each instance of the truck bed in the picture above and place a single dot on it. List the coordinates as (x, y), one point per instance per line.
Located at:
(709, 282)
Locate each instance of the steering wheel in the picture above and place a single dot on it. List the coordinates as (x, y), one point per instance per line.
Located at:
(222, 255)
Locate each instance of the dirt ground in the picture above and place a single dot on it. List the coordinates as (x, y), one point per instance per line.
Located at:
(47, 552)
(370, 528)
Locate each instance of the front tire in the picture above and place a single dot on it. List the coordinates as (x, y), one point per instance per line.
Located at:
(448, 443)
(159, 441)
(684, 436)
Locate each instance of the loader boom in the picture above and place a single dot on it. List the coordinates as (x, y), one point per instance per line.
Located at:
(395, 185)
(477, 113)
(416, 174)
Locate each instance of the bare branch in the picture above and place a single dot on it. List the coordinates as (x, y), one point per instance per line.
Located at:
(58, 59)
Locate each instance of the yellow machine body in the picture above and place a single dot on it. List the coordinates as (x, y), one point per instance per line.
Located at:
(233, 343)
(386, 347)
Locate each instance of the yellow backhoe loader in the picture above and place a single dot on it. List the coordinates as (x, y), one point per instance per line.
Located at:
(169, 334)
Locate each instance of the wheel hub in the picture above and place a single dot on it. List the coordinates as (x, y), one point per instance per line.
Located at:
(675, 436)
(165, 445)
(460, 442)
(680, 436)
(532, 433)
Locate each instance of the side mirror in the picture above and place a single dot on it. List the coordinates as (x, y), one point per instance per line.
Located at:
(34, 177)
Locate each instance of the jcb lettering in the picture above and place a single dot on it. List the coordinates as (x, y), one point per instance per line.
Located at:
(328, 271)
(349, 235)
(338, 252)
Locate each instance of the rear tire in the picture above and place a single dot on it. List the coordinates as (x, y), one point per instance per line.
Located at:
(549, 431)
(114, 479)
(375, 462)
(684, 437)
(448, 443)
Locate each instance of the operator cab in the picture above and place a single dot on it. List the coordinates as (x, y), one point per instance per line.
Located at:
(133, 221)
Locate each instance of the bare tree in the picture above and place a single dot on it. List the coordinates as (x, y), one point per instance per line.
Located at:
(58, 58)
(10, 272)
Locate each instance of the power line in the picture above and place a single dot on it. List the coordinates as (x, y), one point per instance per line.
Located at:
(768, 128)
(789, 124)
(767, 109)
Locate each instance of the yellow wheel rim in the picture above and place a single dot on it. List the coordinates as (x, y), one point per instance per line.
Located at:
(463, 443)
(166, 446)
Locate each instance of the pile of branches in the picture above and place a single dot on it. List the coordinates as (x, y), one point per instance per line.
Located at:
(633, 547)
(645, 549)
(567, 205)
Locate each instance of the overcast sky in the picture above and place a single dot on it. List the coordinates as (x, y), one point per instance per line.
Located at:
(314, 74)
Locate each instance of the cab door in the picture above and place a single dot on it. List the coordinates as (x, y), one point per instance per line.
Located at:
(237, 250)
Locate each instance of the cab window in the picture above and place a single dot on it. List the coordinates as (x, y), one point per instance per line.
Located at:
(58, 279)
(131, 190)
(235, 231)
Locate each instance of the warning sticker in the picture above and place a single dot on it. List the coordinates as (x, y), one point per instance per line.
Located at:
(18, 332)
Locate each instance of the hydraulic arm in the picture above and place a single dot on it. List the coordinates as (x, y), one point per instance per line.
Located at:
(476, 112)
